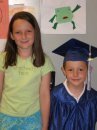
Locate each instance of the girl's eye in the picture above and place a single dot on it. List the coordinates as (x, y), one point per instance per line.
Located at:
(29, 30)
(17, 32)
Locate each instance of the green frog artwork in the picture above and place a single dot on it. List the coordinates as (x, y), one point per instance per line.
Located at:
(64, 15)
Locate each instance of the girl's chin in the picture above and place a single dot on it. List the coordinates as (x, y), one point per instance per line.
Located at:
(24, 47)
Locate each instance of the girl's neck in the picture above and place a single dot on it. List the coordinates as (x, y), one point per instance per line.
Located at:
(24, 53)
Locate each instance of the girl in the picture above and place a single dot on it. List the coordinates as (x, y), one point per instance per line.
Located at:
(24, 77)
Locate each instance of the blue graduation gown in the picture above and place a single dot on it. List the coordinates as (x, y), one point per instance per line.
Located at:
(68, 114)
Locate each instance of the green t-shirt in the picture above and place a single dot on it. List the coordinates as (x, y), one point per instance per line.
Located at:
(20, 95)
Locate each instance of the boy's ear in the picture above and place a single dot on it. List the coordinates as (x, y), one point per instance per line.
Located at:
(63, 70)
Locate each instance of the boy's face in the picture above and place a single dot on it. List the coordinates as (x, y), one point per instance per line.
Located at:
(75, 72)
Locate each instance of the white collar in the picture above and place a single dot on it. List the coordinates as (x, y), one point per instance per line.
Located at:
(77, 99)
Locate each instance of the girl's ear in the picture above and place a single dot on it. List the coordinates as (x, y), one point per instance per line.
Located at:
(63, 70)
(11, 36)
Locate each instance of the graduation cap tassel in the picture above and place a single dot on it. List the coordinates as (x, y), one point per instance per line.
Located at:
(89, 70)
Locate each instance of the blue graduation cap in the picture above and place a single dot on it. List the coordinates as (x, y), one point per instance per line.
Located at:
(76, 50)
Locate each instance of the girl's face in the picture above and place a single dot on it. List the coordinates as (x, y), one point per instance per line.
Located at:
(75, 72)
(23, 34)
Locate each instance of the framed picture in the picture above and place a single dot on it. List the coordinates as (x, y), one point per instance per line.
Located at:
(63, 17)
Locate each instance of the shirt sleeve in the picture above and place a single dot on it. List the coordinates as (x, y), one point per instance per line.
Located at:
(48, 66)
(2, 55)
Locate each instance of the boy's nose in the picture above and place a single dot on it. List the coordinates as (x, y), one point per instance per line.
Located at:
(75, 73)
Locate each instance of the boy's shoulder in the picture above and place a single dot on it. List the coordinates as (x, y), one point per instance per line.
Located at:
(57, 89)
(93, 92)
(92, 95)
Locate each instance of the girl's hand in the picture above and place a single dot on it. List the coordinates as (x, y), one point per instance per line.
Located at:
(44, 129)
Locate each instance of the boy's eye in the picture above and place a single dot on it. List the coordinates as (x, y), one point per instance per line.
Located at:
(70, 69)
(80, 69)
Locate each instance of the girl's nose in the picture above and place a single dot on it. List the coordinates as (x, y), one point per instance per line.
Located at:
(24, 35)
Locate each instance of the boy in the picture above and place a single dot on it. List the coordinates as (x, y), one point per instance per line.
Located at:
(73, 102)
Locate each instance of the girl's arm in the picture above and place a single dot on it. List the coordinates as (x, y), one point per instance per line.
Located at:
(1, 83)
(45, 100)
